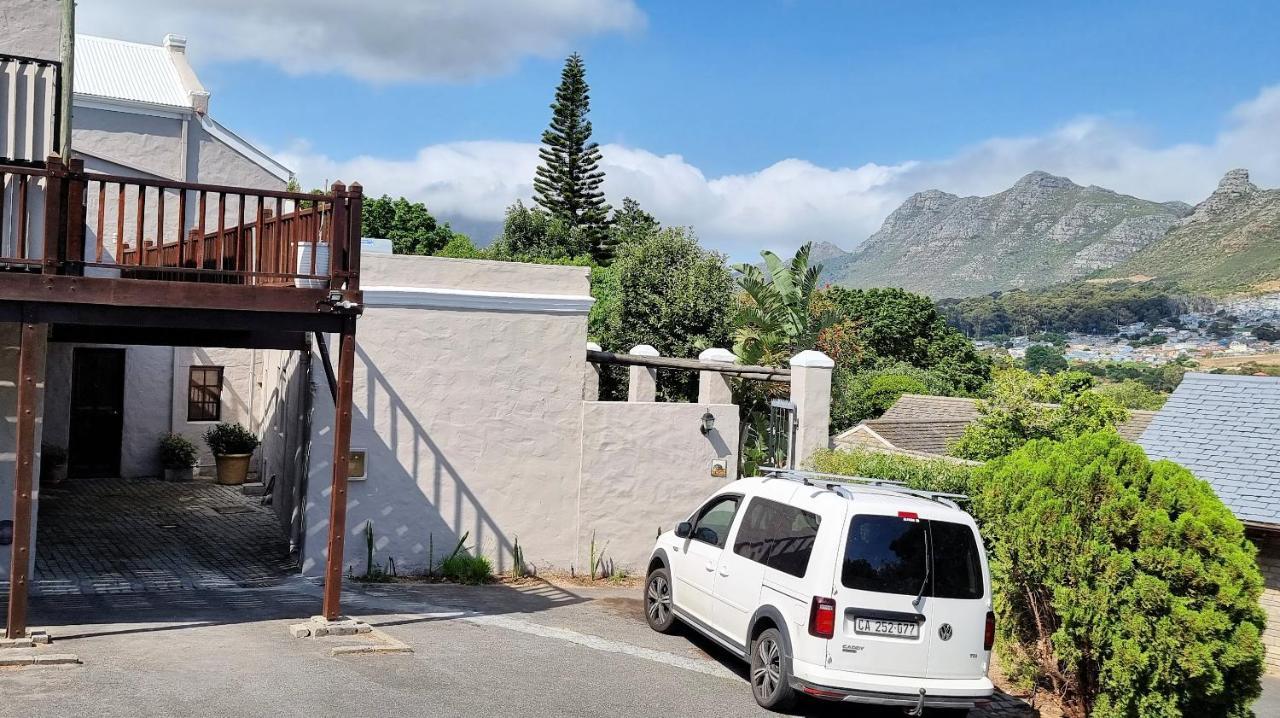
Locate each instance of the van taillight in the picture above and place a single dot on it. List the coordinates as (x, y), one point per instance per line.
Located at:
(989, 635)
(822, 617)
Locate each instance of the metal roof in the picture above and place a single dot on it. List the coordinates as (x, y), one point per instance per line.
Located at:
(129, 71)
(1225, 430)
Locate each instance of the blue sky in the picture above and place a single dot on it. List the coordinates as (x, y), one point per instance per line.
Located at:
(861, 103)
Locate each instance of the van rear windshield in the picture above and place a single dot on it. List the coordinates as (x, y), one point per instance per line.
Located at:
(889, 554)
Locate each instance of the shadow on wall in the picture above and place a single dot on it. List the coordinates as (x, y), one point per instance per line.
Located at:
(417, 515)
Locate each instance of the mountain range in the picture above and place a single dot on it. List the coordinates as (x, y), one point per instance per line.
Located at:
(1047, 230)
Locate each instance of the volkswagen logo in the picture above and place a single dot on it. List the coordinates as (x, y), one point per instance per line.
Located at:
(944, 631)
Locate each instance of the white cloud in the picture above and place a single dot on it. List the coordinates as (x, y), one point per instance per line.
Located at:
(377, 40)
(793, 201)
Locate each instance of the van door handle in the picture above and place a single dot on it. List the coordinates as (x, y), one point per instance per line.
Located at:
(711, 565)
(724, 571)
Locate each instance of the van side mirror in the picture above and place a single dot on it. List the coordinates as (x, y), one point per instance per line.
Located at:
(683, 529)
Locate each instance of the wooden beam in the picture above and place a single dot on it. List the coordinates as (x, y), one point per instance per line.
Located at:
(746, 371)
(332, 607)
(25, 287)
(146, 336)
(30, 363)
(174, 319)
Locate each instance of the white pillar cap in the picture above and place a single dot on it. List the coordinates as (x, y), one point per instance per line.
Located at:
(810, 359)
(592, 346)
(644, 350)
(720, 356)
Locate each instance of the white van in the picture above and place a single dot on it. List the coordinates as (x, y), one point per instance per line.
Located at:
(838, 588)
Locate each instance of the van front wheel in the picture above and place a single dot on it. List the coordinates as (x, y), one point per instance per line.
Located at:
(770, 674)
(658, 606)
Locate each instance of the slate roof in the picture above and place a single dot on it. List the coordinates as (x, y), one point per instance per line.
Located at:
(946, 411)
(1225, 430)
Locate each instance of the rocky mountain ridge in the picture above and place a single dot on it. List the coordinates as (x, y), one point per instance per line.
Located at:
(1043, 230)
(1229, 242)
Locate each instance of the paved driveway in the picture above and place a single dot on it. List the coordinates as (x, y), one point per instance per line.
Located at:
(536, 650)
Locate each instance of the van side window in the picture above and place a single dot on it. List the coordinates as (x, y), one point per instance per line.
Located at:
(714, 520)
(777, 535)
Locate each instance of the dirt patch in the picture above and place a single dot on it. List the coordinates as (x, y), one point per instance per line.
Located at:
(622, 606)
(617, 581)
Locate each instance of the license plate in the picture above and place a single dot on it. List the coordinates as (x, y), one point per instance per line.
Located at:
(877, 627)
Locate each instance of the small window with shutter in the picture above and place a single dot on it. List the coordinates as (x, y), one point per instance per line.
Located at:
(204, 394)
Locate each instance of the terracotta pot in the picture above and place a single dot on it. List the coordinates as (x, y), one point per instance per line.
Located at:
(183, 474)
(233, 469)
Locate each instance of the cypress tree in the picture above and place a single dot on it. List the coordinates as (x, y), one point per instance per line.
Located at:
(568, 181)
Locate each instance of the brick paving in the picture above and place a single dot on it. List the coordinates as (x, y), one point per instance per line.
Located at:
(106, 536)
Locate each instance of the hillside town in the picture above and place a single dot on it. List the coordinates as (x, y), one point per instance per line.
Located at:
(1238, 328)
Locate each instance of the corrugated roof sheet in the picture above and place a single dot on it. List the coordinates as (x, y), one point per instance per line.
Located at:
(1226, 430)
(127, 71)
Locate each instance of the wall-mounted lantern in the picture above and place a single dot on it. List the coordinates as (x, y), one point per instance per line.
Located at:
(708, 423)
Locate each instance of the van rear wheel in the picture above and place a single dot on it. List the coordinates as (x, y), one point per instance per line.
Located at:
(657, 601)
(770, 673)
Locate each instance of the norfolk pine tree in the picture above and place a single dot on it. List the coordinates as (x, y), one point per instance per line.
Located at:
(568, 181)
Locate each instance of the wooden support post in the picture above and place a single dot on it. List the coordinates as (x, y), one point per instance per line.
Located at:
(75, 184)
(30, 360)
(332, 608)
(54, 216)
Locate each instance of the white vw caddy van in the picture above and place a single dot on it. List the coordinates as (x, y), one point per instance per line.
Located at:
(845, 590)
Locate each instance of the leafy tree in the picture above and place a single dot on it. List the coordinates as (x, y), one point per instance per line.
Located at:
(409, 226)
(1132, 394)
(668, 292)
(885, 326)
(775, 317)
(867, 394)
(460, 247)
(1124, 586)
(1024, 406)
(533, 235)
(568, 181)
(1044, 358)
(630, 225)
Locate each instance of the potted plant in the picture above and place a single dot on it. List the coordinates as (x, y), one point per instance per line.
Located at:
(53, 464)
(232, 446)
(177, 456)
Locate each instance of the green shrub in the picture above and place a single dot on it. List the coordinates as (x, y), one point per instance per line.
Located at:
(1132, 394)
(929, 474)
(1125, 586)
(1017, 412)
(462, 567)
(177, 452)
(224, 439)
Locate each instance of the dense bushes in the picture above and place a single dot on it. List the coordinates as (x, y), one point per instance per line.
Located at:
(931, 474)
(1124, 586)
(1089, 307)
(1024, 406)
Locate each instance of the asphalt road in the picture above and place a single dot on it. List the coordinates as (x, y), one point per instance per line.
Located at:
(486, 651)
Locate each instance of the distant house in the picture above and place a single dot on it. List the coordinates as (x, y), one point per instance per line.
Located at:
(926, 425)
(1226, 430)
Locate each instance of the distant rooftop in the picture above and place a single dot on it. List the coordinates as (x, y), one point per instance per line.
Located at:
(1226, 430)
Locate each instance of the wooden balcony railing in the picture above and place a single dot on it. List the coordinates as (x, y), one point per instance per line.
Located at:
(62, 220)
(31, 120)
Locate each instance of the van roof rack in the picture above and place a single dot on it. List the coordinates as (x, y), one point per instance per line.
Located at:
(839, 483)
